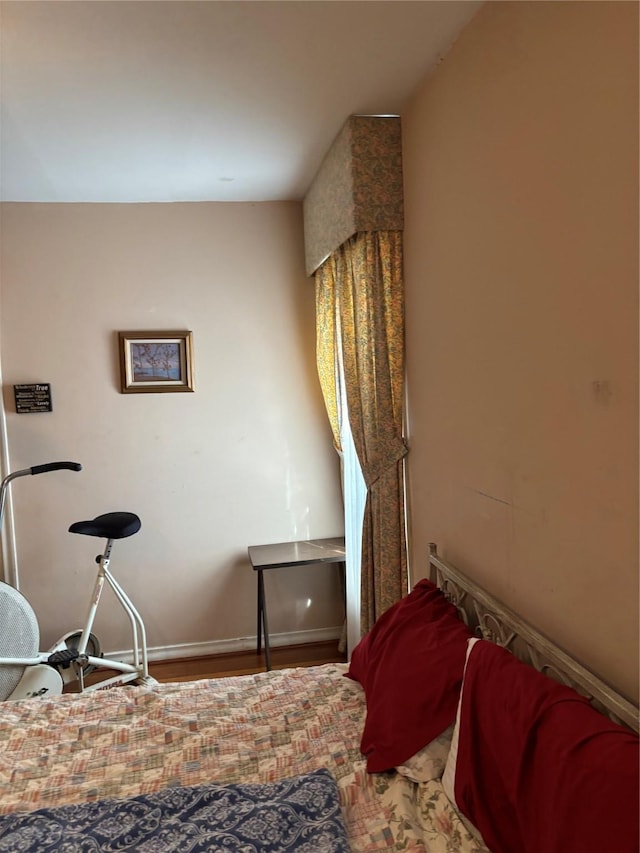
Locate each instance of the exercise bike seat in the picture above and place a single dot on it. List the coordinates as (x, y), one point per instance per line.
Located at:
(111, 525)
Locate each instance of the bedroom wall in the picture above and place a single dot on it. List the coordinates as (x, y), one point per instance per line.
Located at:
(246, 459)
(521, 203)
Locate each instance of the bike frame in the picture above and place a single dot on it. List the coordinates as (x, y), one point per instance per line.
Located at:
(127, 672)
(139, 669)
(74, 670)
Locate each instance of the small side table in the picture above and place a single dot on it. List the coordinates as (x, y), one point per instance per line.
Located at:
(285, 554)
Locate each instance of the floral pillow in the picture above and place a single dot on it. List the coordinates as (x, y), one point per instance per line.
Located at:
(428, 764)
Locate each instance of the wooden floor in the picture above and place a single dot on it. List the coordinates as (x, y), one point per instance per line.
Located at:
(244, 663)
(236, 663)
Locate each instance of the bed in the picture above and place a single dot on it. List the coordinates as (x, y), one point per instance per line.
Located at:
(380, 754)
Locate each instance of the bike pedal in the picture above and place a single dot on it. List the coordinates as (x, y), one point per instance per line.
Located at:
(63, 658)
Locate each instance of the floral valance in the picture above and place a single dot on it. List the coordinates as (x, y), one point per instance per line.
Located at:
(357, 188)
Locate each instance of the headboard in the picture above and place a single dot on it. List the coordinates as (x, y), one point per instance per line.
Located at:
(490, 619)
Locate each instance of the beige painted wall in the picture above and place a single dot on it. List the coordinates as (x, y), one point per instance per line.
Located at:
(521, 201)
(246, 459)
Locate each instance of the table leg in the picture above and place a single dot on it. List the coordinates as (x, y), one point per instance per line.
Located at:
(260, 605)
(263, 611)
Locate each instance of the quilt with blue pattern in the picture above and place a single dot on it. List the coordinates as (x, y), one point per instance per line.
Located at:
(301, 814)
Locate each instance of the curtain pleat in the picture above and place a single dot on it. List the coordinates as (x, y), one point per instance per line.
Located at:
(326, 344)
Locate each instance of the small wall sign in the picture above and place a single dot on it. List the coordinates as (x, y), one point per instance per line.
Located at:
(33, 398)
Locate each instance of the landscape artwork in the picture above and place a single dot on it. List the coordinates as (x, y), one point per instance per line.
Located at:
(155, 361)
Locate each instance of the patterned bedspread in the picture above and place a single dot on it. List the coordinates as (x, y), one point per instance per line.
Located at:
(129, 741)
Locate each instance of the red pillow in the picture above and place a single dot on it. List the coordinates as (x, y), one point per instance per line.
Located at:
(537, 767)
(410, 665)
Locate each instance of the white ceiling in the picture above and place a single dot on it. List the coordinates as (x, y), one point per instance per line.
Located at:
(203, 100)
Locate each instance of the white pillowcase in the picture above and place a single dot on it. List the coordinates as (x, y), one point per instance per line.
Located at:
(449, 775)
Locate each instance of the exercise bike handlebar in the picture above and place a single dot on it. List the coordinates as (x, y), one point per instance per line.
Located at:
(55, 466)
(36, 469)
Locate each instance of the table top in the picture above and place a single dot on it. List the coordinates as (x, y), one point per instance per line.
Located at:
(302, 553)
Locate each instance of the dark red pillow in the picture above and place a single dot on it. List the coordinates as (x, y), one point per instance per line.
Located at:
(410, 665)
(537, 768)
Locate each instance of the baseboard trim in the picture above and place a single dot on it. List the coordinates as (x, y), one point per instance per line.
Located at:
(237, 644)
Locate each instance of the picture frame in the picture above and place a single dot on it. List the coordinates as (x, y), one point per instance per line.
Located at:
(156, 362)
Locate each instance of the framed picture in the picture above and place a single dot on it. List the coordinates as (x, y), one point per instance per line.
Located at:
(155, 362)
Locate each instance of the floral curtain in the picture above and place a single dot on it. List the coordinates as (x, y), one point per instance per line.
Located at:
(360, 298)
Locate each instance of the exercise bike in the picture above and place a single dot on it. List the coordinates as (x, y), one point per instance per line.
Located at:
(26, 672)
